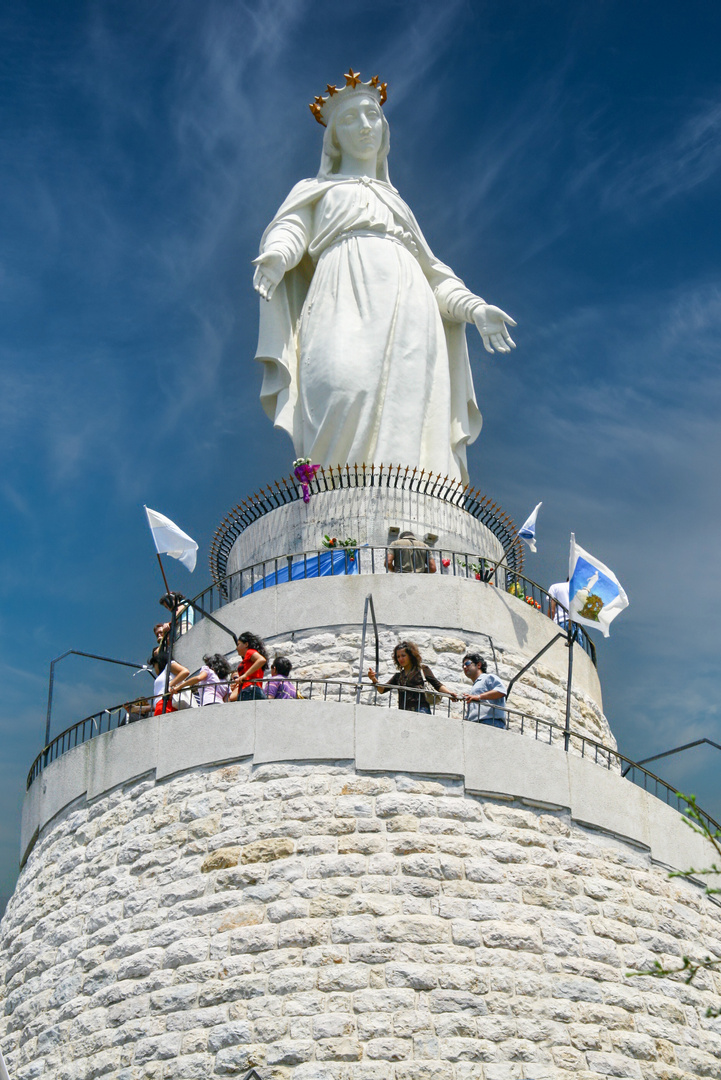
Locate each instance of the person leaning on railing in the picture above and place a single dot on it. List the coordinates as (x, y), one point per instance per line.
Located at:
(279, 685)
(487, 699)
(409, 555)
(135, 710)
(158, 662)
(212, 680)
(410, 679)
(184, 611)
(161, 631)
(247, 682)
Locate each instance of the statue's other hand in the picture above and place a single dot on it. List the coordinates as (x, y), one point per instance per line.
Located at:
(269, 270)
(491, 323)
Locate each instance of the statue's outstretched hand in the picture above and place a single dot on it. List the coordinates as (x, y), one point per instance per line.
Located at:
(269, 270)
(491, 323)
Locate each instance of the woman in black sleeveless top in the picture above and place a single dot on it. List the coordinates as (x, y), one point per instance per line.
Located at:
(410, 678)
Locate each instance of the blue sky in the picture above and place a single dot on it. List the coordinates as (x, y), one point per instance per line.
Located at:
(563, 158)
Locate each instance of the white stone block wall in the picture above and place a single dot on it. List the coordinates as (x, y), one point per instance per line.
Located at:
(318, 623)
(323, 924)
(541, 694)
(366, 515)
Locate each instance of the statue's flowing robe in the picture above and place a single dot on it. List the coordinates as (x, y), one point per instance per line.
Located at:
(363, 341)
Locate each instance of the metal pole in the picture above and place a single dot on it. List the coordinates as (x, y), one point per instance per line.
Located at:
(162, 571)
(171, 636)
(572, 629)
(76, 652)
(531, 662)
(363, 651)
(676, 750)
(216, 622)
(375, 629)
(491, 575)
(51, 680)
(368, 604)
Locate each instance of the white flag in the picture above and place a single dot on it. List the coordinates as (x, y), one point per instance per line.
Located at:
(527, 531)
(594, 592)
(170, 540)
(4, 1075)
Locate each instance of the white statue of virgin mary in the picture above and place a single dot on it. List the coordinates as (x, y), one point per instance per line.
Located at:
(362, 329)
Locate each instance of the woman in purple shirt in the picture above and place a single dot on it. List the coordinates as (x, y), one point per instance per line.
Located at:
(279, 686)
(211, 680)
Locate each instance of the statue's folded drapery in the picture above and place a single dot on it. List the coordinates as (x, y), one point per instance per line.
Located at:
(363, 341)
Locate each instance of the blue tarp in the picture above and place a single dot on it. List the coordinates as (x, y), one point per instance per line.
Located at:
(327, 564)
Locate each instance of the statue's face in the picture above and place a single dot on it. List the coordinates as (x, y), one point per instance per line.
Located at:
(359, 128)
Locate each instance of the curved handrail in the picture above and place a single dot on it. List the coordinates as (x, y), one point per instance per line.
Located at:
(346, 690)
(355, 476)
(342, 562)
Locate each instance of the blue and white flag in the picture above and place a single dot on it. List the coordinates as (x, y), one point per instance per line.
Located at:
(595, 594)
(527, 531)
(170, 540)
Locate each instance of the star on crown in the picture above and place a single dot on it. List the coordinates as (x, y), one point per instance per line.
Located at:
(322, 107)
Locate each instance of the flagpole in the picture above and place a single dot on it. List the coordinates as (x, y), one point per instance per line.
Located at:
(171, 632)
(162, 571)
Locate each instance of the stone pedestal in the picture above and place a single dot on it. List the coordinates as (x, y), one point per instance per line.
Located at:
(317, 622)
(373, 516)
(338, 892)
(334, 890)
(370, 504)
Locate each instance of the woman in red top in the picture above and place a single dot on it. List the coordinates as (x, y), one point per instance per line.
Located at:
(253, 662)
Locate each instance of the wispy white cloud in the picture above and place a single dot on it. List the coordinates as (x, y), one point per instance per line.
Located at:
(162, 263)
(16, 500)
(621, 408)
(412, 54)
(674, 166)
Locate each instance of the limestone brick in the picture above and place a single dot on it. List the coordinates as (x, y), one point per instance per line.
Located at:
(404, 931)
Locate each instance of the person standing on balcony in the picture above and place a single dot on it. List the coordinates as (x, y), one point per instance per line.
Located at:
(559, 603)
(248, 683)
(409, 555)
(410, 679)
(559, 606)
(160, 652)
(212, 680)
(184, 611)
(158, 662)
(279, 685)
(487, 699)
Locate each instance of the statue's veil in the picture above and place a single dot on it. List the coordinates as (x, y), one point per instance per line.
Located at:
(331, 153)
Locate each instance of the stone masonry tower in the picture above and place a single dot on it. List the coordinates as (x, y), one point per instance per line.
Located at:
(335, 889)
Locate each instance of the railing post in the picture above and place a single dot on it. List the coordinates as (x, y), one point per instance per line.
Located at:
(531, 662)
(361, 663)
(368, 604)
(572, 629)
(211, 618)
(89, 656)
(169, 658)
(51, 680)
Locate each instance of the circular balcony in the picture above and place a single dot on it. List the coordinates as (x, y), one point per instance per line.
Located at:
(532, 760)
(364, 560)
(370, 503)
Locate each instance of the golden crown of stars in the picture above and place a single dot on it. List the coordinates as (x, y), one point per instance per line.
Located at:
(322, 107)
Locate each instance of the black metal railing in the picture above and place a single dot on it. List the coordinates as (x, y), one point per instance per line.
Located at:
(352, 691)
(337, 477)
(341, 562)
